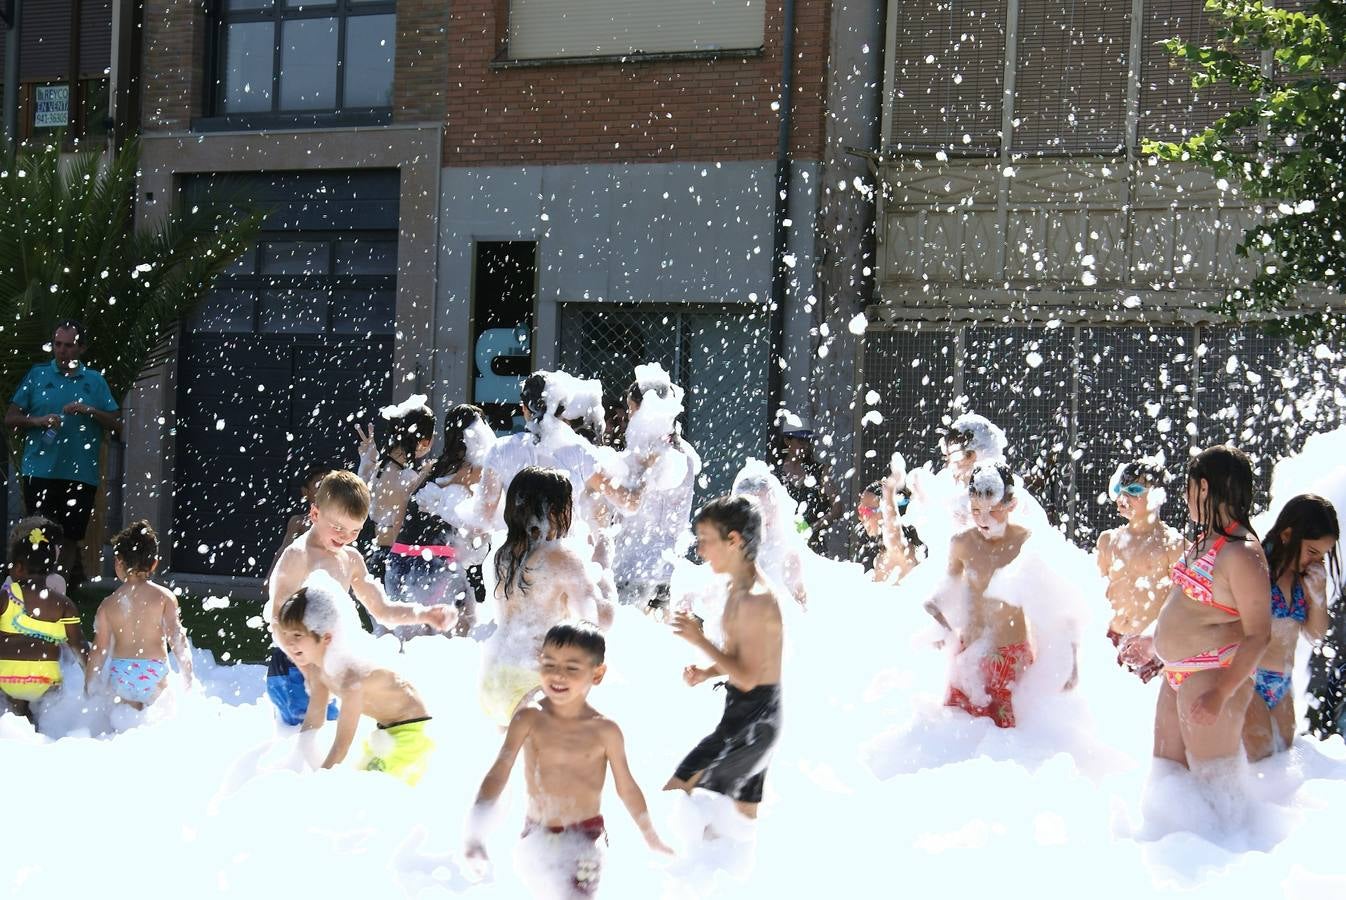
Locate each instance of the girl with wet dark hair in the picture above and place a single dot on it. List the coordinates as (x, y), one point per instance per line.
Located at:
(1301, 551)
(540, 581)
(438, 545)
(1215, 624)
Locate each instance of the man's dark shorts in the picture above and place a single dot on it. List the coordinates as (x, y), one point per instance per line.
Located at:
(67, 503)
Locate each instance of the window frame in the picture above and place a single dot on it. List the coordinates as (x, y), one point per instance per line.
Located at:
(278, 13)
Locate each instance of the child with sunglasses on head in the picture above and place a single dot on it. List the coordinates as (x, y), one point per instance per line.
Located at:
(1136, 558)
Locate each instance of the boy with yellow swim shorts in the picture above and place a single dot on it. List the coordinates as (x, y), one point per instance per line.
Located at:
(309, 629)
(34, 620)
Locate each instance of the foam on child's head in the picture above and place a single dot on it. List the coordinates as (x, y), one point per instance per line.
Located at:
(316, 606)
(137, 546)
(980, 435)
(992, 481)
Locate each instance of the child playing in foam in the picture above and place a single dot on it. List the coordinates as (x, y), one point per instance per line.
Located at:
(34, 619)
(1136, 559)
(310, 627)
(1214, 626)
(732, 760)
(782, 549)
(939, 505)
(1300, 549)
(568, 749)
(540, 580)
(137, 622)
(992, 634)
(339, 511)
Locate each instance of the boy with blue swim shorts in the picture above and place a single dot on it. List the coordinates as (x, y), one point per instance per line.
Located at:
(340, 507)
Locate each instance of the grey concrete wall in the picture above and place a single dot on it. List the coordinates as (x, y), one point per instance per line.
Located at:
(686, 232)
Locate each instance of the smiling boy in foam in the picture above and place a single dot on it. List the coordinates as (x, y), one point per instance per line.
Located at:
(568, 748)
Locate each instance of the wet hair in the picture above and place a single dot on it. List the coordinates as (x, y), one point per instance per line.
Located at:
(1229, 473)
(74, 325)
(316, 472)
(305, 609)
(137, 546)
(538, 500)
(875, 488)
(456, 423)
(581, 634)
(991, 481)
(405, 432)
(532, 394)
(731, 513)
(345, 491)
(1142, 471)
(35, 543)
(1308, 517)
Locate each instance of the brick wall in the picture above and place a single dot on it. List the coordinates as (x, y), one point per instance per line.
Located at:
(175, 52)
(681, 110)
(704, 109)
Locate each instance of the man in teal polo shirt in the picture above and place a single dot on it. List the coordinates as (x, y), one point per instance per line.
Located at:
(63, 408)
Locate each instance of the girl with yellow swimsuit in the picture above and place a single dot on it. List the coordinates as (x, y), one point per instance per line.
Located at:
(34, 620)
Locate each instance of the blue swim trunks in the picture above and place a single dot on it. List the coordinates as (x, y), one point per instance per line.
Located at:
(285, 686)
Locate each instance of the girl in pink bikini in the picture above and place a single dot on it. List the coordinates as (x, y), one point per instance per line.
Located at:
(1216, 623)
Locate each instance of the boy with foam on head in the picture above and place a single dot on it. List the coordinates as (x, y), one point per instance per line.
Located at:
(310, 628)
(732, 760)
(339, 510)
(1135, 559)
(992, 634)
(568, 749)
(137, 622)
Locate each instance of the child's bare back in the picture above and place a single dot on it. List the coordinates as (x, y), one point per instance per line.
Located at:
(141, 617)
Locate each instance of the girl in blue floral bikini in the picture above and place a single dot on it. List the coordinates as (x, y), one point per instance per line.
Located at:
(1301, 548)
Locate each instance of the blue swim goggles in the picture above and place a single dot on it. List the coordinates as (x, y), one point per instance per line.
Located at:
(1134, 489)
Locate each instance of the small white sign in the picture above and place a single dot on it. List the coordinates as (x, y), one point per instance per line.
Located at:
(53, 106)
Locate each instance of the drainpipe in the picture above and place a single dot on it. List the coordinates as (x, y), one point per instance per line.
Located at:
(780, 272)
(13, 19)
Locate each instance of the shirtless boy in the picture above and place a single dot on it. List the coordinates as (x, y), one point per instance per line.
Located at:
(995, 631)
(1136, 559)
(568, 748)
(338, 513)
(732, 760)
(540, 580)
(137, 622)
(310, 629)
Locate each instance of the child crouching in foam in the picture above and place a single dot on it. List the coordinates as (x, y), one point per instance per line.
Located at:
(310, 632)
(568, 748)
(135, 622)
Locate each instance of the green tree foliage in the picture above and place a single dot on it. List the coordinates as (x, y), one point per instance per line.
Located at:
(1286, 147)
(70, 249)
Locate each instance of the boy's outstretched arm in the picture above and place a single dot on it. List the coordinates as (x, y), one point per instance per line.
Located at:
(389, 612)
(318, 698)
(177, 637)
(493, 785)
(627, 789)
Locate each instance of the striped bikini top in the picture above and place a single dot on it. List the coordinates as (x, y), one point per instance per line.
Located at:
(1197, 579)
(1296, 609)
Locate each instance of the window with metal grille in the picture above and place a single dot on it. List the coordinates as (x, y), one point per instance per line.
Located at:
(717, 354)
(1070, 79)
(1169, 108)
(946, 75)
(303, 57)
